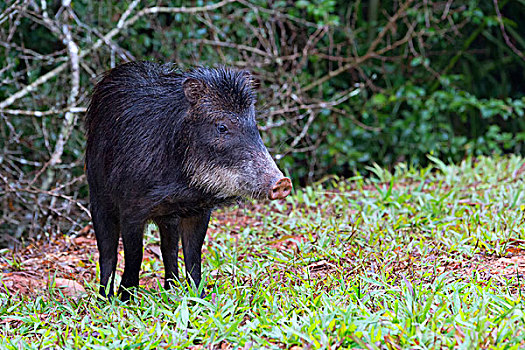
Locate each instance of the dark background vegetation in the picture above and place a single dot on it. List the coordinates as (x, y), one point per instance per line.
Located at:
(344, 84)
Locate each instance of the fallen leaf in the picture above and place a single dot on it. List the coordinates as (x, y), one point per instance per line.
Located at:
(69, 288)
(85, 230)
(155, 250)
(83, 240)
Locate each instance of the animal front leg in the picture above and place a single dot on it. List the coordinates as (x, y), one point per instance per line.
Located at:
(193, 230)
(169, 246)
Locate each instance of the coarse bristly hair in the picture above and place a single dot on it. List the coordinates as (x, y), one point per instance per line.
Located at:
(233, 87)
(140, 133)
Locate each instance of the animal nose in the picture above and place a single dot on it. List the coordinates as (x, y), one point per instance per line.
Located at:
(281, 189)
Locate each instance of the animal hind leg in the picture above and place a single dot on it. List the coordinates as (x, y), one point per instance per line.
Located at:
(132, 237)
(106, 226)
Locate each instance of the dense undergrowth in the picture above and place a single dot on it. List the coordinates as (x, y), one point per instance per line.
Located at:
(343, 84)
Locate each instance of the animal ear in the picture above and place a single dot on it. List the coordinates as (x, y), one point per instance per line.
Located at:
(193, 89)
(250, 79)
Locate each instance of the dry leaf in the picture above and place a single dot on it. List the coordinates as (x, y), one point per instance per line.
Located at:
(69, 288)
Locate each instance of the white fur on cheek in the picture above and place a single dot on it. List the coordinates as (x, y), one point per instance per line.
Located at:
(249, 178)
(225, 182)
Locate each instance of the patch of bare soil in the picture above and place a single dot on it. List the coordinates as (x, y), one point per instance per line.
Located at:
(70, 262)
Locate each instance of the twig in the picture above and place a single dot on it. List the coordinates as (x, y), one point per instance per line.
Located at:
(303, 132)
(504, 33)
(390, 25)
(354, 120)
(33, 86)
(233, 45)
(369, 54)
(43, 113)
(344, 96)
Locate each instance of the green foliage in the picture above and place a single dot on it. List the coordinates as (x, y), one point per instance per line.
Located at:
(476, 110)
(406, 259)
(449, 122)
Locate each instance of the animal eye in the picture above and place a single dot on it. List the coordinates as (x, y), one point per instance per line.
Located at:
(221, 128)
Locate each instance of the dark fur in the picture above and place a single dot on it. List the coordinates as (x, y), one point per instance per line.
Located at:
(154, 152)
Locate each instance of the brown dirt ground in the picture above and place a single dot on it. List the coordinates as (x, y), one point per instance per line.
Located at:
(70, 262)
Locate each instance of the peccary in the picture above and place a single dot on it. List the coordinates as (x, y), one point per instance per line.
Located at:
(170, 146)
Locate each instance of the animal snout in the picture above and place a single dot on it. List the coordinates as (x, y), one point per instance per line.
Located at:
(281, 189)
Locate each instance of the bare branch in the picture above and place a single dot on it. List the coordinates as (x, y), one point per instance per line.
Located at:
(123, 24)
(70, 118)
(504, 33)
(43, 113)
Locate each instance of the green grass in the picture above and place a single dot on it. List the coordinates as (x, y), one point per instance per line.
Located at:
(403, 259)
